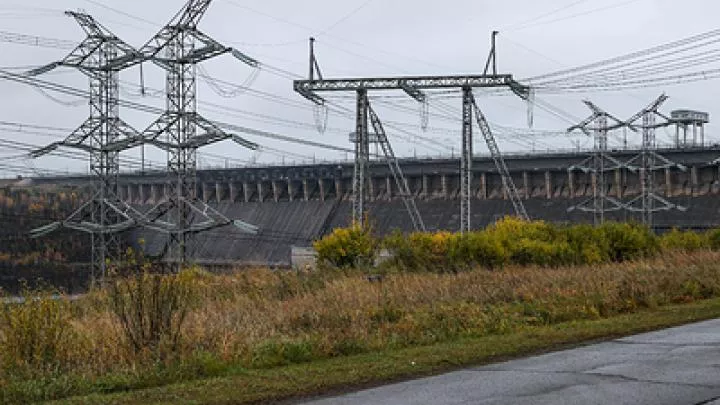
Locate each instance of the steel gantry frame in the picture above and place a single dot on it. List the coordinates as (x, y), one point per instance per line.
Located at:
(414, 86)
(100, 56)
(178, 48)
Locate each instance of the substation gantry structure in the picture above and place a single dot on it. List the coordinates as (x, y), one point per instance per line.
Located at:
(646, 163)
(177, 48)
(414, 87)
(100, 56)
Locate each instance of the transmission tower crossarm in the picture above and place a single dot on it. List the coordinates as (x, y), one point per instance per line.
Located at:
(583, 125)
(128, 216)
(124, 55)
(413, 92)
(243, 57)
(43, 69)
(508, 183)
(599, 112)
(651, 108)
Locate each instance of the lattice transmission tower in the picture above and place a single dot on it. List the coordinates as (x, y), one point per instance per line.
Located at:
(178, 48)
(648, 162)
(598, 164)
(100, 56)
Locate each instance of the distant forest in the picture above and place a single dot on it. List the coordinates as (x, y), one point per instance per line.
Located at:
(59, 259)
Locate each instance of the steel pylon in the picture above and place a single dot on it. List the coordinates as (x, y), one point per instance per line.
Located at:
(599, 163)
(648, 162)
(178, 48)
(100, 56)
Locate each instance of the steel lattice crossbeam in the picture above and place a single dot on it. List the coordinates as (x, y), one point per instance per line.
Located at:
(412, 85)
(401, 83)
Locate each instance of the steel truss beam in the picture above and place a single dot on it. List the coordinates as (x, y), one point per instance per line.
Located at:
(407, 84)
(100, 56)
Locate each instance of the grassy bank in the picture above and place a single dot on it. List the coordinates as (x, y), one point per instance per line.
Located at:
(257, 324)
(359, 371)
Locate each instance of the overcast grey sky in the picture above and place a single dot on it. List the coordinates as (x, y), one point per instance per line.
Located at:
(360, 38)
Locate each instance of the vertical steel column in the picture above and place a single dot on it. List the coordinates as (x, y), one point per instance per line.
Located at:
(109, 163)
(182, 159)
(647, 183)
(362, 152)
(600, 188)
(466, 160)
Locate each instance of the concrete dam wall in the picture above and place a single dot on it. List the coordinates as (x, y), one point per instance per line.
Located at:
(294, 205)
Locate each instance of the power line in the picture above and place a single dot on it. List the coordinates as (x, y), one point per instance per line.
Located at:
(581, 14)
(626, 57)
(524, 23)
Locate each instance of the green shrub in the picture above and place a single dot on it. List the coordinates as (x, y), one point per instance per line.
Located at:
(151, 306)
(587, 244)
(477, 249)
(347, 247)
(275, 353)
(35, 333)
(421, 251)
(713, 239)
(513, 241)
(628, 241)
(687, 241)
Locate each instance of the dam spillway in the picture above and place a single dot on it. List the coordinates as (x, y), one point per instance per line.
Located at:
(294, 205)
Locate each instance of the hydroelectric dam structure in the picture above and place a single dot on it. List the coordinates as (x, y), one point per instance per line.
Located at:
(257, 215)
(294, 205)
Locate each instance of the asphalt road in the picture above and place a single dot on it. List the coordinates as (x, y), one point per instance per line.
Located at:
(673, 366)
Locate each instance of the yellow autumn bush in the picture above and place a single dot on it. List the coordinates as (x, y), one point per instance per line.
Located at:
(513, 241)
(347, 247)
